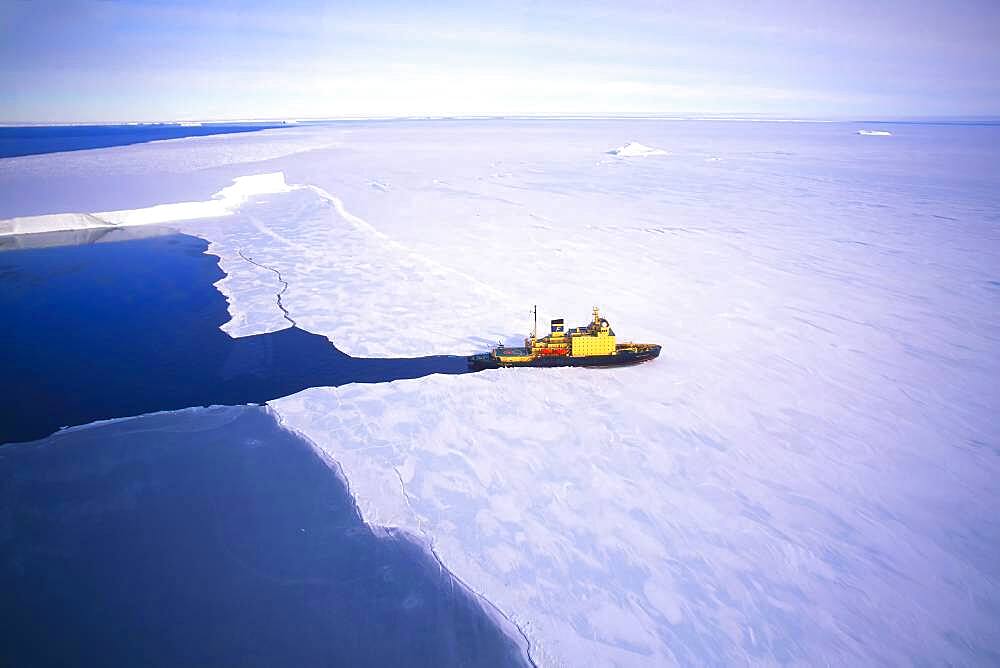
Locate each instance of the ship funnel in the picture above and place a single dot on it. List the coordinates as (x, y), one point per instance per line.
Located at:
(557, 326)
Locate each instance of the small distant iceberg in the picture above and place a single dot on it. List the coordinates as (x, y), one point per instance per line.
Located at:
(634, 149)
(875, 133)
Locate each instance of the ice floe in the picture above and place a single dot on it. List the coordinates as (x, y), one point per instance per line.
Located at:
(875, 133)
(346, 280)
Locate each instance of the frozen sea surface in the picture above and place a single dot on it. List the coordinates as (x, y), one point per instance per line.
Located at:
(807, 474)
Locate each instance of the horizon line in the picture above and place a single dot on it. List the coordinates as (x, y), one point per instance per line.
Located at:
(666, 116)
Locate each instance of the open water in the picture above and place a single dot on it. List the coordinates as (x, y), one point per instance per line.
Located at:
(209, 536)
(141, 315)
(36, 139)
(214, 537)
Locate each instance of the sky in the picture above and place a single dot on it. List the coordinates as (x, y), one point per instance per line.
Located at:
(144, 61)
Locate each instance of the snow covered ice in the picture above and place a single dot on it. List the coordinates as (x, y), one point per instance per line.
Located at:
(806, 474)
(223, 203)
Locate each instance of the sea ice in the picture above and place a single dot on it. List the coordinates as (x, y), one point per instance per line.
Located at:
(138, 176)
(875, 133)
(652, 516)
(223, 203)
(806, 473)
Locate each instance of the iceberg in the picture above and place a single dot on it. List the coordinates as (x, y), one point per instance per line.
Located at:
(634, 149)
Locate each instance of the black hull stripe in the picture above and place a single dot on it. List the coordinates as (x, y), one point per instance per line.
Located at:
(619, 359)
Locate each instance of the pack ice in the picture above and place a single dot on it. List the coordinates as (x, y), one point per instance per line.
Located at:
(806, 475)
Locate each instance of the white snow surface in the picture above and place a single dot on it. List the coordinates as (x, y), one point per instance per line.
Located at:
(223, 203)
(806, 475)
(634, 149)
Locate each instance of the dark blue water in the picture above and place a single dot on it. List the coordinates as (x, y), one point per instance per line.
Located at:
(203, 537)
(115, 329)
(212, 537)
(32, 140)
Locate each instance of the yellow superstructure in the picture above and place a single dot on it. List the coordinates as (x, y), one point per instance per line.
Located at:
(597, 338)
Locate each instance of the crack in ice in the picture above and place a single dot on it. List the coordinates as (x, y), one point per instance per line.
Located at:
(285, 314)
(362, 224)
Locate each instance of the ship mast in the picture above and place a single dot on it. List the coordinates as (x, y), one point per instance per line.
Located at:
(534, 330)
